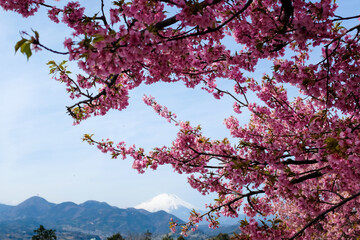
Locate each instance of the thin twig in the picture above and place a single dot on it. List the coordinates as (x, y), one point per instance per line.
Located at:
(321, 215)
(210, 30)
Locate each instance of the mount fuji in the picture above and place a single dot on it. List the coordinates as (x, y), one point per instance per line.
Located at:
(174, 205)
(169, 203)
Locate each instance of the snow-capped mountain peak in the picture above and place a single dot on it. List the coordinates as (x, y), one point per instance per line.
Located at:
(166, 202)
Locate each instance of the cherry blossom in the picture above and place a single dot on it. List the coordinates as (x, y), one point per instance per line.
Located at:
(296, 163)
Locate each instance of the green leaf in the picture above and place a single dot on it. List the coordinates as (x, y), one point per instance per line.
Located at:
(264, 223)
(277, 221)
(98, 38)
(19, 44)
(118, 3)
(259, 46)
(244, 223)
(51, 63)
(25, 48)
(276, 68)
(331, 143)
(36, 34)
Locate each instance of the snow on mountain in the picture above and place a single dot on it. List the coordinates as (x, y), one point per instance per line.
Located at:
(172, 204)
(166, 202)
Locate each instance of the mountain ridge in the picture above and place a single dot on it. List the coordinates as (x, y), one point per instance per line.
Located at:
(98, 220)
(89, 218)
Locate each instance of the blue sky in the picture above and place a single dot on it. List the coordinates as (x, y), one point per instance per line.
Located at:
(41, 152)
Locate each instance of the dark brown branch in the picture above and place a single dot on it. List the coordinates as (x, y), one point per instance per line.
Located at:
(167, 22)
(339, 18)
(46, 5)
(306, 177)
(49, 49)
(288, 10)
(337, 194)
(327, 65)
(35, 41)
(170, 21)
(292, 162)
(210, 30)
(321, 215)
(243, 93)
(342, 35)
(103, 13)
(233, 201)
(356, 127)
(232, 96)
(90, 98)
(252, 206)
(213, 155)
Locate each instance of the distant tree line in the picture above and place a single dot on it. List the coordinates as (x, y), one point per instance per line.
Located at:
(49, 234)
(147, 236)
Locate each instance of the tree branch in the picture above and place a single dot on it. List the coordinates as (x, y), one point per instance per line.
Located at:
(321, 215)
(306, 177)
(210, 30)
(90, 99)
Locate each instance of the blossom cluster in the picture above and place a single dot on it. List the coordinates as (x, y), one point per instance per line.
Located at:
(297, 159)
(24, 7)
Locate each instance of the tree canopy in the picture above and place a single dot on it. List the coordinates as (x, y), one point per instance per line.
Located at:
(116, 236)
(44, 234)
(296, 161)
